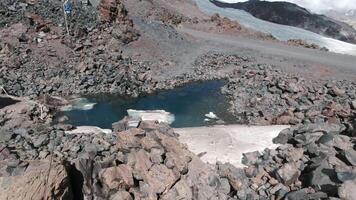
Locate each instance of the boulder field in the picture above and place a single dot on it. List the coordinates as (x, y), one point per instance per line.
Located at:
(313, 161)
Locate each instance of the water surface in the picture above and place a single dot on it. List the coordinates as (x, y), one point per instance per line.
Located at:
(189, 104)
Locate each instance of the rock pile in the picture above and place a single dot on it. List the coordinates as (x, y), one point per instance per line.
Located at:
(115, 11)
(315, 161)
(302, 43)
(36, 181)
(263, 95)
(140, 163)
(23, 114)
(225, 23)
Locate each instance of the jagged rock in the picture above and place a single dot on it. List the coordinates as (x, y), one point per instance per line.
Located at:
(156, 155)
(345, 173)
(117, 177)
(350, 155)
(127, 140)
(324, 177)
(83, 169)
(337, 91)
(250, 158)
(283, 136)
(236, 177)
(297, 195)
(121, 125)
(121, 195)
(181, 190)
(35, 184)
(347, 190)
(160, 178)
(40, 140)
(288, 173)
(353, 104)
(142, 163)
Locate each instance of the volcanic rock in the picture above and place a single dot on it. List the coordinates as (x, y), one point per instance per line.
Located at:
(54, 186)
(289, 173)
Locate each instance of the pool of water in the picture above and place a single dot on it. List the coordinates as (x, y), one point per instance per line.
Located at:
(189, 104)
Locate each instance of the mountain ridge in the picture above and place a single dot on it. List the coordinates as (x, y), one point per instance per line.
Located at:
(291, 14)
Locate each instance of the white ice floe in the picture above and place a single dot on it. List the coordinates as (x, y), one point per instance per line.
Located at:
(78, 104)
(88, 130)
(211, 115)
(227, 143)
(281, 32)
(152, 115)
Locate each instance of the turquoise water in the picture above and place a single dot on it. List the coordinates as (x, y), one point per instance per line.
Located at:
(189, 104)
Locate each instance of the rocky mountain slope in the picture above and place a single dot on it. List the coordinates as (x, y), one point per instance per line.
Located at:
(348, 16)
(293, 15)
(136, 47)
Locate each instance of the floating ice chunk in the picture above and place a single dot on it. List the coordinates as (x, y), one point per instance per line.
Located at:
(152, 115)
(211, 115)
(88, 130)
(78, 104)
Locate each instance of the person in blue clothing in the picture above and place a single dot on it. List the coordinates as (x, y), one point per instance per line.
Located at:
(67, 6)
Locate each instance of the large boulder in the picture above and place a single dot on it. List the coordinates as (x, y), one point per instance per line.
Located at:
(40, 181)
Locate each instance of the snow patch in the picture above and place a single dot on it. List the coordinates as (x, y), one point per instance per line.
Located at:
(152, 115)
(78, 104)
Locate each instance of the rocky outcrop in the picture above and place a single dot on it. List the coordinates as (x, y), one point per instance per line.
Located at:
(293, 15)
(23, 113)
(310, 164)
(301, 43)
(35, 180)
(147, 162)
(314, 161)
(263, 95)
(115, 11)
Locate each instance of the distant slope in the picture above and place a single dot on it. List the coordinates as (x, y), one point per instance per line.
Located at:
(348, 16)
(293, 15)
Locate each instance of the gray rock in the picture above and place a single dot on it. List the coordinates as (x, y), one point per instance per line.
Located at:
(5, 136)
(347, 191)
(288, 173)
(91, 148)
(181, 190)
(345, 174)
(224, 186)
(40, 140)
(353, 104)
(277, 187)
(350, 155)
(121, 195)
(283, 136)
(236, 176)
(297, 195)
(250, 158)
(324, 178)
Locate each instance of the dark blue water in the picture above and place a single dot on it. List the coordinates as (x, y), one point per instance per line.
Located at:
(189, 104)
